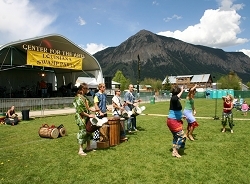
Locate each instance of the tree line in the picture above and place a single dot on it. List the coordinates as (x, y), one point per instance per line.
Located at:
(229, 81)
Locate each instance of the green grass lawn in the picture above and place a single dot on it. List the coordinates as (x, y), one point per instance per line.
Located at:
(214, 157)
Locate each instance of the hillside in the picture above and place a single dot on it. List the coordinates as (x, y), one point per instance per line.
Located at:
(161, 56)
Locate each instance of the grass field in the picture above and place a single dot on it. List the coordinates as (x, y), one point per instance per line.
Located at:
(214, 157)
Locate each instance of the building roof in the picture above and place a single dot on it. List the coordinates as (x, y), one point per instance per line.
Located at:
(194, 78)
(200, 78)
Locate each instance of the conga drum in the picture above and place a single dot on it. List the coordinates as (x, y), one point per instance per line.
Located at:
(114, 130)
(61, 130)
(48, 132)
(122, 130)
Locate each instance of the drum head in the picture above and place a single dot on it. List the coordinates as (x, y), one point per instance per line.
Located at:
(62, 132)
(54, 133)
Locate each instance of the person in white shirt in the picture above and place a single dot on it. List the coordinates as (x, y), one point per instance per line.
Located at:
(117, 108)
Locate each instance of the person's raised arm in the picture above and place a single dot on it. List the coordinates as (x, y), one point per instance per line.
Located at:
(179, 94)
(192, 89)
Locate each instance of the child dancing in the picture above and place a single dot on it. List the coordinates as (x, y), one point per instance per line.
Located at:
(227, 113)
(189, 113)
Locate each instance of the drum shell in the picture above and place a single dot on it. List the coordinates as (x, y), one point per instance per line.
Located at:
(114, 131)
(90, 127)
(62, 132)
(46, 132)
(104, 132)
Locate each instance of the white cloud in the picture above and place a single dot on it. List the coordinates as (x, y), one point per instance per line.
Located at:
(92, 48)
(173, 17)
(217, 28)
(245, 51)
(21, 19)
(80, 21)
(155, 3)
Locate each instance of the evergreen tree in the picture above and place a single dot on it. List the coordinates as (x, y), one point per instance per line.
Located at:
(167, 85)
(120, 78)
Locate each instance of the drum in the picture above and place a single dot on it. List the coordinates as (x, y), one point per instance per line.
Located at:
(114, 131)
(122, 122)
(61, 130)
(136, 111)
(126, 114)
(104, 133)
(2, 117)
(48, 132)
(90, 127)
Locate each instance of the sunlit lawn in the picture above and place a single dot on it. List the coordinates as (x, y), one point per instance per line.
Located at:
(214, 157)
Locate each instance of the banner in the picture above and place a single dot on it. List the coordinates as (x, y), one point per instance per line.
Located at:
(53, 60)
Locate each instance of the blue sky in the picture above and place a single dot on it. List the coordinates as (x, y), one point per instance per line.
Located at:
(97, 24)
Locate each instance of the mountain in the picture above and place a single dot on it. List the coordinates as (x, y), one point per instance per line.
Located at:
(161, 56)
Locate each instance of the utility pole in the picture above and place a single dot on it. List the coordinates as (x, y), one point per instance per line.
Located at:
(138, 80)
(216, 100)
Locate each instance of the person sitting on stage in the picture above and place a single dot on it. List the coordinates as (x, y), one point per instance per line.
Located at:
(11, 117)
(117, 108)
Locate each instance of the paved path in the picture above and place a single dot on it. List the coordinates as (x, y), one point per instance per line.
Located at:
(67, 111)
(49, 112)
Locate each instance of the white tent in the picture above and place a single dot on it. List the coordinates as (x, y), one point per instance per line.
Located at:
(16, 72)
(92, 83)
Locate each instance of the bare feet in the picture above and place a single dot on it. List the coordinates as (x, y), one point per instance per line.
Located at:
(223, 130)
(176, 154)
(82, 154)
(191, 137)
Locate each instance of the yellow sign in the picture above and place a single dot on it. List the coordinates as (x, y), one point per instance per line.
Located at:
(53, 60)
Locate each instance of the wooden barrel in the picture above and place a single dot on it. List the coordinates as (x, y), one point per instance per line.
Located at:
(114, 131)
(46, 132)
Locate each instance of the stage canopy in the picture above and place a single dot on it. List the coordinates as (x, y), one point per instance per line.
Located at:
(52, 58)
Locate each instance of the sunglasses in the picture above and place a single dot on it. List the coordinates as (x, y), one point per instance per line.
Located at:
(118, 91)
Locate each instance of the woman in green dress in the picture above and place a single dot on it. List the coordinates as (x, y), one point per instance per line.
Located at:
(83, 108)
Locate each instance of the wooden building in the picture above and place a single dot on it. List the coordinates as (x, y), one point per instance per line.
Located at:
(203, 81)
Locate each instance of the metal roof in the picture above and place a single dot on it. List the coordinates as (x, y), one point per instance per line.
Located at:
(194, 78)
(200, 78)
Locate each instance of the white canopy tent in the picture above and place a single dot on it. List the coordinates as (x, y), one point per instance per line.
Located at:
(92, 82)
(15, 73)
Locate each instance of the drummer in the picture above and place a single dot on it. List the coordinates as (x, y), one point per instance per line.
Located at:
(117, 108)
(131, 102)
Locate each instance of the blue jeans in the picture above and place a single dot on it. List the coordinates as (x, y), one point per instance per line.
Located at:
(131, 120)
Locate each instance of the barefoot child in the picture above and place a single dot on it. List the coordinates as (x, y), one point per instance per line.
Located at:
(227, 113)
(189, 112)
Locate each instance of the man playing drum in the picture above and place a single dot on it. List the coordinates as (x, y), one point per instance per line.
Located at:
(117, 109)
(100, 101)
(130, 103)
